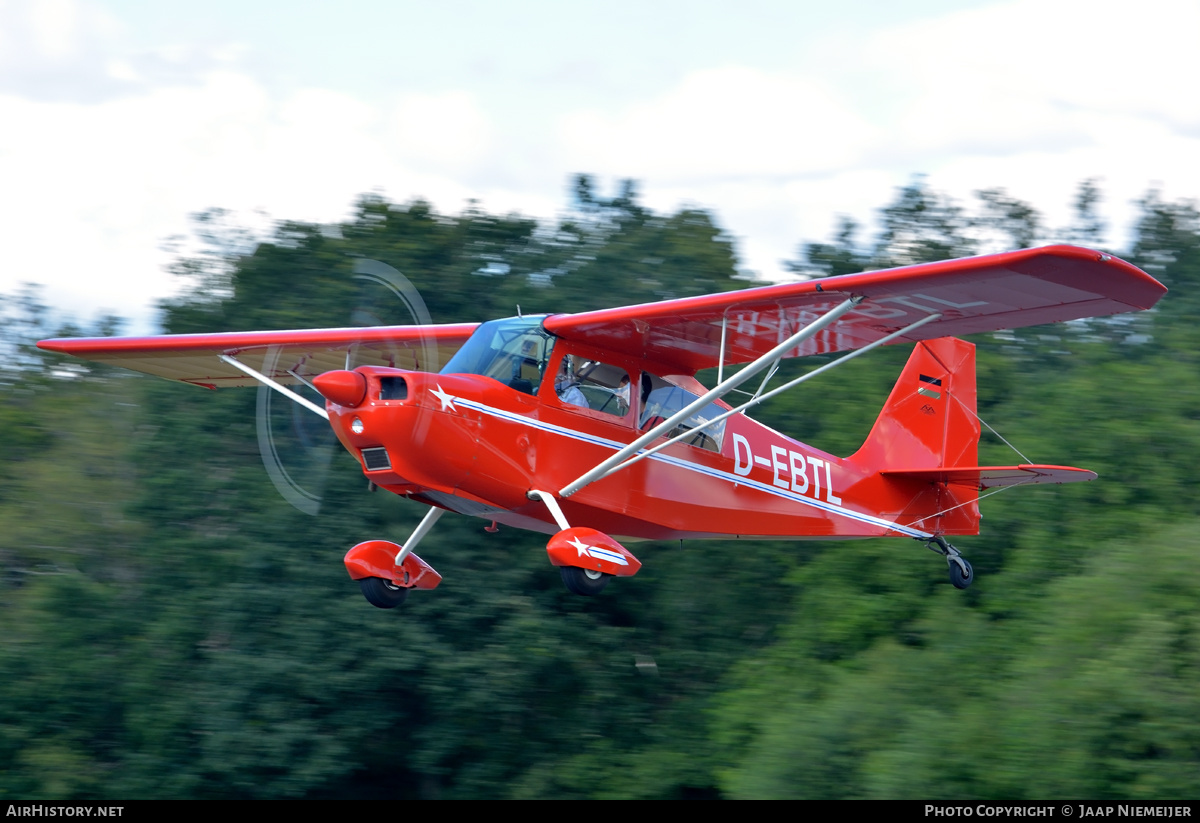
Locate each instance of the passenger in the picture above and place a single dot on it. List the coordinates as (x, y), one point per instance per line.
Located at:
(568, 387)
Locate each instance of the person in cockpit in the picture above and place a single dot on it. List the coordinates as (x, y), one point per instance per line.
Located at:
(567, 386)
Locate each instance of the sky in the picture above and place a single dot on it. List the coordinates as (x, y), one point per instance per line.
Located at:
(120, 119)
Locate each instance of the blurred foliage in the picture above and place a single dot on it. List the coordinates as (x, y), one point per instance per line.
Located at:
(171, 628)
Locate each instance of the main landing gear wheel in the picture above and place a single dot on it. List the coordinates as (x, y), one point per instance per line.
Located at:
(583, 581)
(383, 594)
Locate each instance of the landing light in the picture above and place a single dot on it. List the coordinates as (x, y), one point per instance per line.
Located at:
(356, 426)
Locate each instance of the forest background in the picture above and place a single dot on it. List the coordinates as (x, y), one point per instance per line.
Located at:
(170, 627)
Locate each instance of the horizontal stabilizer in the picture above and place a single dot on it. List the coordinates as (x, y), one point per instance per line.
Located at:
(991, 477)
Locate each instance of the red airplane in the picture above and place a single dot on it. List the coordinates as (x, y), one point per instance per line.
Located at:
(593, 427)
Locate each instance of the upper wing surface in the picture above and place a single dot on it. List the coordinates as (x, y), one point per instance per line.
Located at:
(974, 294)
(193, 358)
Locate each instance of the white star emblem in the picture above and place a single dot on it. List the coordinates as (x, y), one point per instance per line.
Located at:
(581, 547)
(446, 398)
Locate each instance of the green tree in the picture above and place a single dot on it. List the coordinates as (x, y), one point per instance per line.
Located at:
(171, 628)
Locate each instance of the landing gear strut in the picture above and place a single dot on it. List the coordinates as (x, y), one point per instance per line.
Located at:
(386, 571)
(961, 573)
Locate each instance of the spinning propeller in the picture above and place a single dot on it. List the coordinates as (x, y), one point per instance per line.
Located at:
(297, 446)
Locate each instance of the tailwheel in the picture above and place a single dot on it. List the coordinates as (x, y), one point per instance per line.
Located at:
(961, 573)
(587, 582)
(383, 594)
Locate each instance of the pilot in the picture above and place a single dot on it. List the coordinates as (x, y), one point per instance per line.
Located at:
(568, 387)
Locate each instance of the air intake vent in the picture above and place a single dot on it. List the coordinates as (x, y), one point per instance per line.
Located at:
(393, 388)
(376, 460)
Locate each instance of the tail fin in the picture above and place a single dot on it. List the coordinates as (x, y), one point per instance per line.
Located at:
(929, 419)
(929, 422)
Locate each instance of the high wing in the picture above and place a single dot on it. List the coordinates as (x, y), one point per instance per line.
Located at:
(969, 295)
(974, 294)
(280, 355)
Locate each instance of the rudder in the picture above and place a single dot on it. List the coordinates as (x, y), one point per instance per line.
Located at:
(929, 422)
(929, 418)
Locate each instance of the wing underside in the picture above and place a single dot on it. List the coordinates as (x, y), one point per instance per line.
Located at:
(284, 356)
(967, 296)
(970, 295)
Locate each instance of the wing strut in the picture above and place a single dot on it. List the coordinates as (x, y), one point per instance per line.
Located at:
(757, 399)
(721, 359)
(279, 387)
(721, 389)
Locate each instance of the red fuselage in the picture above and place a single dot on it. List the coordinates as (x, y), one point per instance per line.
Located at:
(472, 444)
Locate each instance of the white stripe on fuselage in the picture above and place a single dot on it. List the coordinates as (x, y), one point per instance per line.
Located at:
(684, 464)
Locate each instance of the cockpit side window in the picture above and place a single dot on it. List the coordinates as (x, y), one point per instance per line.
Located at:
(514, 351)
(660, 400)
(592, 384)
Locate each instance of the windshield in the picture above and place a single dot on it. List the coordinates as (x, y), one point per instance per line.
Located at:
(514, 351)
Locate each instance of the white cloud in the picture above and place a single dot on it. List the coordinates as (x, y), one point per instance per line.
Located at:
(117, 178)
(718, 124)
(1032, 97)
(54, 24)
(446, 131)
(1029, 69)
(1037, 96)
(56, 48)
